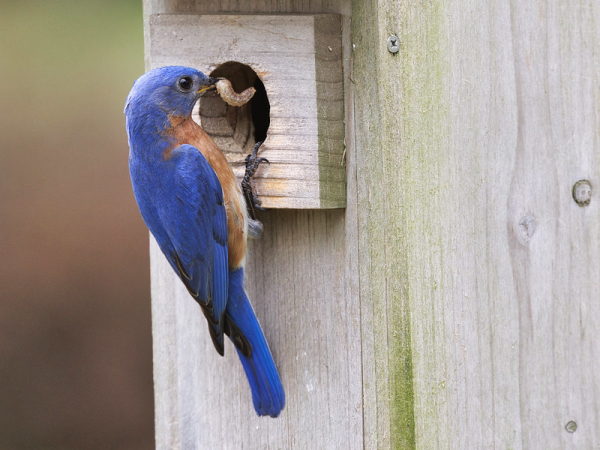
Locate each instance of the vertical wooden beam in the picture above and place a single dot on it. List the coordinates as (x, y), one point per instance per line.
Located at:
(385, 315)
(469, 141)
(553, 242)
(301, 280)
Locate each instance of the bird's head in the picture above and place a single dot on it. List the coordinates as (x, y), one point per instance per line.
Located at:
(172, 89)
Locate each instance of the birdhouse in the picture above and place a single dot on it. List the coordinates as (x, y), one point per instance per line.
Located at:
(295, 64)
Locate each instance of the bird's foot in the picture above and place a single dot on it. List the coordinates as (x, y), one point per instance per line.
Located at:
(252, 201)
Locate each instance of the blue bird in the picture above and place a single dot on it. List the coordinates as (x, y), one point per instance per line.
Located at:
(191, 202)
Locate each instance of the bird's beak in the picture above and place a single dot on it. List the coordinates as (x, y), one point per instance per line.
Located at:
(211, 85)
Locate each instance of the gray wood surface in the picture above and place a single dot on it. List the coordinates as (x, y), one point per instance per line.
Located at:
(298, 58)
(485, 119)
(455, 303)
(300, 277)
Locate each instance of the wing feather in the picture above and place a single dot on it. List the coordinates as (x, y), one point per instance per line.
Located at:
(194, 220)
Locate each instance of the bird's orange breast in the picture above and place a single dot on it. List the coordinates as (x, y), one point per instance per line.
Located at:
(185, 131)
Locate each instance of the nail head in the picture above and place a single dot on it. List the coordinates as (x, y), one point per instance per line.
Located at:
(582, 192)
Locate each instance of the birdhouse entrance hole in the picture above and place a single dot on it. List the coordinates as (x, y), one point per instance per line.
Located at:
(235, 129)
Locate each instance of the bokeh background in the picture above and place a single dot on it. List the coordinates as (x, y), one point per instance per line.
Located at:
(75, 339)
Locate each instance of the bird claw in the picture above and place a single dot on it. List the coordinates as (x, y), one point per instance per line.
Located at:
(252, 201)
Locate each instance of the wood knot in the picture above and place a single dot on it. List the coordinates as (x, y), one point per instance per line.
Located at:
(526, 228)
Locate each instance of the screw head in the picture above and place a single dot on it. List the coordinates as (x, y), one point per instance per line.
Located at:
(393, 44)
(571, 426)
(582, 192)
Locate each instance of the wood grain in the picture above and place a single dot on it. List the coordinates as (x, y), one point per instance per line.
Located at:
(455, 303)
(300, 277)
(298, 58)
(483, 122)
(388, 417)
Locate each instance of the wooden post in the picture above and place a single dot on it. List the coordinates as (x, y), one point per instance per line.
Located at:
(455, 302)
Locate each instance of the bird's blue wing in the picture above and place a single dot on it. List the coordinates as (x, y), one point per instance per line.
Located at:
(192, 213)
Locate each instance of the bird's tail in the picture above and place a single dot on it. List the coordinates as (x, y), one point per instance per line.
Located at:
(244, 330)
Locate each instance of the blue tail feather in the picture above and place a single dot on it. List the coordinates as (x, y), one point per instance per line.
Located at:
(267, 391)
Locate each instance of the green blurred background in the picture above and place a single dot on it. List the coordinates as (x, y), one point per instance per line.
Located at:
(75, 340)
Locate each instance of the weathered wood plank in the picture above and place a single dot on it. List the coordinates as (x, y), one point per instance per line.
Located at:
(388, 417)
(300, 278)
(481, 125)
(553, 242)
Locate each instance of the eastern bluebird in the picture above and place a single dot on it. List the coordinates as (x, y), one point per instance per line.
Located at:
(193, 205)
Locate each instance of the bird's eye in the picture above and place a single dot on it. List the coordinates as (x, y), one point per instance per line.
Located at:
(185, 84)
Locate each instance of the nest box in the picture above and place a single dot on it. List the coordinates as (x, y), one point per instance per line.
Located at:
(295, 64)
